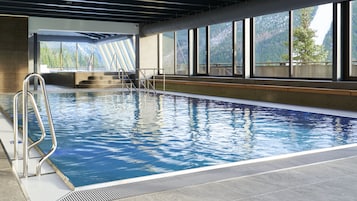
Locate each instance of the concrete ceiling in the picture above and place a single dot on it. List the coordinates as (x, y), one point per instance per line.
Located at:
(154, 16)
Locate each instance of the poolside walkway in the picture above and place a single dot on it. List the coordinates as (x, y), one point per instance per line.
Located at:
(10, 189)
(328, 181)
(325, 175)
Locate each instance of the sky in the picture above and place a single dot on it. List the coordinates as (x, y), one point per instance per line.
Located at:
(322, 22)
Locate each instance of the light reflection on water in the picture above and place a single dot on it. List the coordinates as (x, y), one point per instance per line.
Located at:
(104, 137)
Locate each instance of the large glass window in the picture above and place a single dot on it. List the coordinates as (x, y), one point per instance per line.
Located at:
(353, 66)
(239, 48)
(84, 56)
(168, 52)
(221, 49)
(116, 55)
(69, 54)
(182, 52)
(290, 44)
(312, 42)
(202, 51)
(81, 56)
(272, 45)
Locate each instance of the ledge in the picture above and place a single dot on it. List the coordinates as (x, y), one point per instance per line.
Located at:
(265, 90)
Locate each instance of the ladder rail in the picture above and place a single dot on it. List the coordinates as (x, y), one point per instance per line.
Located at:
(16, 123)
(52, 129)
(150, 83)
(145, 82)
(25, 123)
(122, 72)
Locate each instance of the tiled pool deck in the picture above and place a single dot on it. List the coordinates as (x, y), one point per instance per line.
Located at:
(324, 175)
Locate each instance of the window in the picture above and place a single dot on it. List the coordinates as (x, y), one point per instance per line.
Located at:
(168, 52)
(353, 65)
(69, 51)
(272, 45)
(50, 56)
(182, 52)
(312, 42)
(202, 51)
(75, 56)
(239, 48)
(112, 56)
(221, 49)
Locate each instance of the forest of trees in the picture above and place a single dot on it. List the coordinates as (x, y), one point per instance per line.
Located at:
(68, 56)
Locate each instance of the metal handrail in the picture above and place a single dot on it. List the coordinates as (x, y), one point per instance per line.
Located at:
(121, 71)
(25, 98)
(16, 123)
(149, 84)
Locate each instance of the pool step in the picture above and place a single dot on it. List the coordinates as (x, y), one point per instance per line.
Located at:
(106, 80)
(101, 86)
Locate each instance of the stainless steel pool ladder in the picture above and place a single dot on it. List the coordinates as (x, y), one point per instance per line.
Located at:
(26, 96)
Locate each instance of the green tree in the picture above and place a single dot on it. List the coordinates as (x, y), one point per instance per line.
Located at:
(304, 48)
(49, 56)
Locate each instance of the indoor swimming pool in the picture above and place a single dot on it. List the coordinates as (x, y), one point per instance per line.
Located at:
(109, 136)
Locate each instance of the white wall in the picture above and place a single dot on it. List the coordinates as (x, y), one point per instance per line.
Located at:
(149, 54)
(37, 24)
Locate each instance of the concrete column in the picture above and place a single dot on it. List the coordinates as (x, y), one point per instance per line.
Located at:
(13, 52)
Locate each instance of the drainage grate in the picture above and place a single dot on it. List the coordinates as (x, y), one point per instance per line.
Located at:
(103, 194)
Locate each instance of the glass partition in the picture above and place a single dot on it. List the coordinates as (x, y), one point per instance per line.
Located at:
(221, 49)
(353, 32)
(79, 56)
(239, 48)
(202, 51)
(182, 52)
(272, 45)
(168, 52)
(312, 42)
(69, 56)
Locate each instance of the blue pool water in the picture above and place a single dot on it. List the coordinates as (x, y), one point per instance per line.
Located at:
(105, 136)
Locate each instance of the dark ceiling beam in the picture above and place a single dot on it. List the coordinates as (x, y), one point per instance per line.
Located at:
(175, 2)
(79, 14)
(138, 11)
(74, 10)
(72, 16)
(239, 11)
(129, 4)
(65, 38)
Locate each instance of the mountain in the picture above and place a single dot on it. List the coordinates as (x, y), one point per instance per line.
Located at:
(271, 38)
